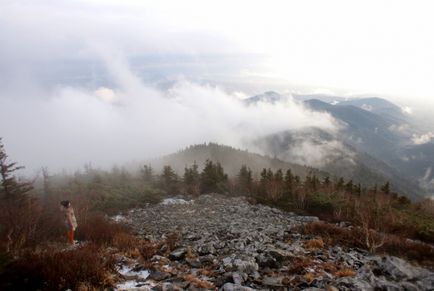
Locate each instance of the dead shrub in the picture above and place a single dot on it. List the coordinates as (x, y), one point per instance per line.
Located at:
(420, 252)
(18, 221)
(309, 277)
(314, 244)
(125, 241)
(334, 234)
(345, 272)
(300, 264)
(147, 250)
(55, 269)
(329, 267)
(190, 254)
(198, 283)
(416, 251)
(206, 272)
(99, 230)
(172, 241)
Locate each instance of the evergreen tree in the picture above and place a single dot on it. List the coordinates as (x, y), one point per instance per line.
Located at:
(327, 184)
(192, 179)
(385, 188)
(358, 189)
(147, 174)
(289, 181)
(349, 186)
(244, 180)
(18, 212)
(213, 178)
(169, 180)
(340, 184)
(277, 185)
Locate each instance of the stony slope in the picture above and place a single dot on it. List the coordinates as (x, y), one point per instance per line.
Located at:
(232, 245)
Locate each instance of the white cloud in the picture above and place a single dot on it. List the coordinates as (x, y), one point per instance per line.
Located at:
(318, 155)
(73, 125)
(407, 109)
(334, 45)
(423, 138)
(106, 94)
(427, 181)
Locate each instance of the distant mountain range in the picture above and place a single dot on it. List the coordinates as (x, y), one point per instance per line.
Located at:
(375, 144)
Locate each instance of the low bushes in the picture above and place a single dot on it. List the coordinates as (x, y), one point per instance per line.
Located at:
(416, 251)
(56, 269)
(99, 230)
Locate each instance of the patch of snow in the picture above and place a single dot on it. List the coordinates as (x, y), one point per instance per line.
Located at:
(141, 276)
(119, 218)
(123, 270)
(172, 201)
(127, 271)
(128, 285)
(134, 285)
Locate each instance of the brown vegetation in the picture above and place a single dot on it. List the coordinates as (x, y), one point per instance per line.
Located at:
(299, 265)
(345, 272)
(198, 283)
(314, 244)
(56, 269)
(416, 251)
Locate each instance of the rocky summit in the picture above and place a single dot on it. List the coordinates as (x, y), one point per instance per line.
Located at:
(229, 244)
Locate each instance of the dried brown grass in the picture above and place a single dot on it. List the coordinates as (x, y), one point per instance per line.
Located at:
(299, 265)
(345, 272)
(309, 277)
(314, 244)
(198, 283)
(55, 269)
(147, 250)
(99, 230)
(172, 241)
(417, 251)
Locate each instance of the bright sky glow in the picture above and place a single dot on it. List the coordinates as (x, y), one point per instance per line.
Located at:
(383, 47)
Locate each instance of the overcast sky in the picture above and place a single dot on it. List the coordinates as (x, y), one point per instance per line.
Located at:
(58, 54)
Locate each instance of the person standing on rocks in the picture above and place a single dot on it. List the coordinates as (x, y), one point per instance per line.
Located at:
(70, 220)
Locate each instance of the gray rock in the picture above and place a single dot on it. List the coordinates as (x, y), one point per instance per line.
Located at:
(237, 278)
(234, 287)
(278, 254)
(158, 276)
(246, 266)
(398, 269)
(306, 219)
(247, 244)
(168, 287)
(178, 254)
(266, 260)
(407, 286)
(206, 249)
(272, 281)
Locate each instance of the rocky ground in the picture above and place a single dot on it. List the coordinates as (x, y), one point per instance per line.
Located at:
(229, 244)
